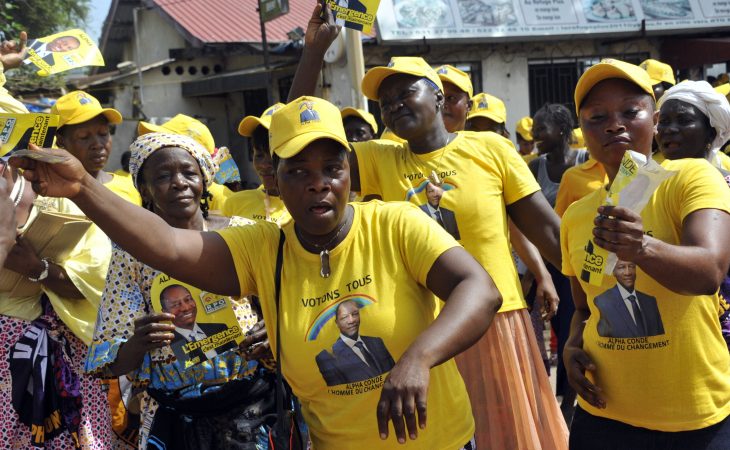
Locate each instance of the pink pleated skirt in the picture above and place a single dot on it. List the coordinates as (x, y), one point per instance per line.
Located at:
(512, 401)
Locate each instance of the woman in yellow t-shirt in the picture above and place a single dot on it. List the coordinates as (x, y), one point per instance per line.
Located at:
(471, 183)
(645, 353)
(361, 330)
(63, 298)
(262, 203)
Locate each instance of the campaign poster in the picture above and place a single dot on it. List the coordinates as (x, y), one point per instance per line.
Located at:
(205, 324)
(19, 130)
(63, 51)
(355, 14)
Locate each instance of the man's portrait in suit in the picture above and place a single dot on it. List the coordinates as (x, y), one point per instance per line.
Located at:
(354, 357)
(177, 299)
(445, 217)
(45, 50)
(626, 312)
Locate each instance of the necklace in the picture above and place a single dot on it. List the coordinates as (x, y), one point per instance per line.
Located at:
(434, 176)
(324, 253)
(17, 193)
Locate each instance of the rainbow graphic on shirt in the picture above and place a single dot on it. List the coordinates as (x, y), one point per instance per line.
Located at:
(329, 313)
(422, 188)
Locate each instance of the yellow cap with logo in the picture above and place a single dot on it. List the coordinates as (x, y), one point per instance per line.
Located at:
(249, 123)
(658, 71)
(303, 121)
(361, 113)
(184, 125)
(524, 128)
(409, 65)
(79, 107)
(489, 106)
(456, 77)
(611, 68)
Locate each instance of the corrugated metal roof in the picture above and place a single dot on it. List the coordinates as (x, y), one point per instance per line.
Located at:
(234, 21)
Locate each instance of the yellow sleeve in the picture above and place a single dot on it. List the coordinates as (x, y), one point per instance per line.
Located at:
(517, 178)
(566, 268)
(249, 245)
(421, 239)
(220, 194)
(563, 199)
(8, 104)
(724, 161)
(367, 164)
(699, 185)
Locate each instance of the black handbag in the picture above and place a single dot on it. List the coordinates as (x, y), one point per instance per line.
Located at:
(285, 434)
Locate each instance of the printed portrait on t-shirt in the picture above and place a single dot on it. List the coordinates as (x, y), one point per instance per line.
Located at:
(444, 217)
(352, 357)
(626, 312)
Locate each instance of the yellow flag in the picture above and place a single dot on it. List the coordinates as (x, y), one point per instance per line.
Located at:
(63, 51)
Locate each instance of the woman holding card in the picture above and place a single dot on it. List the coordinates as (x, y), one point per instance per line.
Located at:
(142, 336)
(645, 352)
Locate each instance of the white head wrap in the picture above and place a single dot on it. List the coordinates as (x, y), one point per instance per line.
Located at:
(712, 104)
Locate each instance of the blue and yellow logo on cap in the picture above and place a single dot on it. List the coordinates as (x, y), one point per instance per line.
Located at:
(483, 104)
(83, 99)
(307, 113)
(443, 71)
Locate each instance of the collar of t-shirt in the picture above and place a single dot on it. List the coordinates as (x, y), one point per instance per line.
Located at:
(351, 343)
(196, 333)
(625, 296)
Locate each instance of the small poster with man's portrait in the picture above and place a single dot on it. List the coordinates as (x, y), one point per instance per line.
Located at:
(63, 51)
(205, 324)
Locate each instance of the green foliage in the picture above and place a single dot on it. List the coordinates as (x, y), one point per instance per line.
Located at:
(39, 18)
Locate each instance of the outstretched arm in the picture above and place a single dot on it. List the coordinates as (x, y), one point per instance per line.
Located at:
(472, 300)
(200, 259)
(7, 221)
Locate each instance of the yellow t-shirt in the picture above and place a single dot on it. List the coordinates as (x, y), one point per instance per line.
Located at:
(387, 282)
(124, 187)
(724, 161)
(579, 181)
(220, 194)
(251, 204)
(481, 173)
(674, 373)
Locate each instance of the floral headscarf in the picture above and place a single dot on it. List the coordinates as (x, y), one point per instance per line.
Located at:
(149, 143)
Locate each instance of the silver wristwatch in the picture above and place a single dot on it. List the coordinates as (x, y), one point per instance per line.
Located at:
(43, 274)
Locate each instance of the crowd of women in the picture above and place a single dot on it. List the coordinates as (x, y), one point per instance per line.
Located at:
(378, 276)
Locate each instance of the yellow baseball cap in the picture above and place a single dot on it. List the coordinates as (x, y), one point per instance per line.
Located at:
(249, 123)
(524, 128)
(79, 107)
(577, 141)
(723, 89)
(658, 71)
(184, 125)
(489, 106)
(390, 136)
(409, 65)
(302, 122)
(456, 77)
(611, 68)
(361, 113)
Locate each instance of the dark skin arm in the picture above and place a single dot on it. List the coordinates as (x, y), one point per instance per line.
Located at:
(539, 223)
(24, 260)
(576, 360)
(12, 53)
(201, 259)
(696, 266)
(149, 333)
(472, 300)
